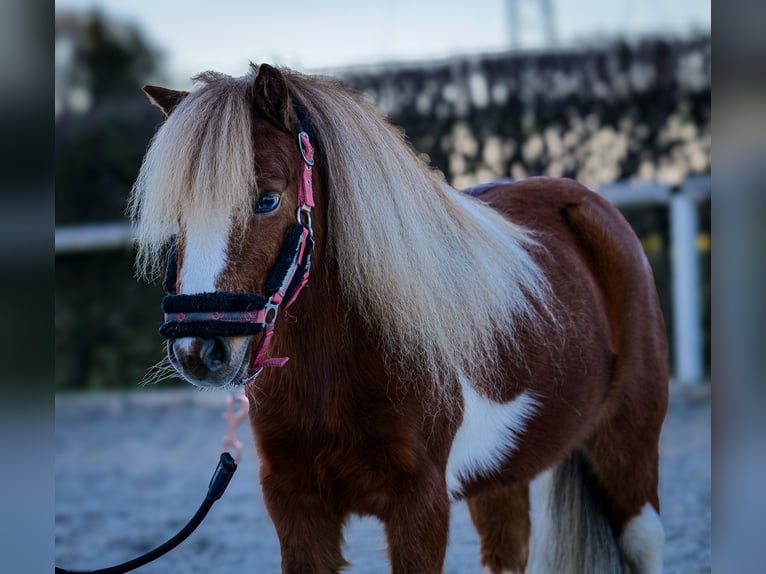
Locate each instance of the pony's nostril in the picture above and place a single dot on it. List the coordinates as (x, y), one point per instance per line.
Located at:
(214, 353)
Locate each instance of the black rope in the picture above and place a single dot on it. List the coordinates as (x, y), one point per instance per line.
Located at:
(221, 477)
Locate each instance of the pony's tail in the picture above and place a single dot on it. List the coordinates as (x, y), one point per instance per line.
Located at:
(571, 531)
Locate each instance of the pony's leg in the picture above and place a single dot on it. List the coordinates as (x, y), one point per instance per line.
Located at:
(310, 534)
(501, 517)
(417, 529)
(626, 463)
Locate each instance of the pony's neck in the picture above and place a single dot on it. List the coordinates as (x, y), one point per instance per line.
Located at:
(327, 342)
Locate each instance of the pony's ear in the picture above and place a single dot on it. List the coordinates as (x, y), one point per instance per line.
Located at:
(163, 98)
(270, 96)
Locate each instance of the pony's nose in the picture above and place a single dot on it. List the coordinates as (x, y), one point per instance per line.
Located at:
(200, 357)
(214, 353)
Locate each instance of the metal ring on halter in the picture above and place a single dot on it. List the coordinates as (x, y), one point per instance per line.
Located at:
(303, 149)
(269, 307)
(307, 211)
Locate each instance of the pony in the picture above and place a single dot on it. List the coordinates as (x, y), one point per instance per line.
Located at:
(502, 345)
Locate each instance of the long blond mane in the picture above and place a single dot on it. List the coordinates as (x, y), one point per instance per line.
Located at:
(438, 275)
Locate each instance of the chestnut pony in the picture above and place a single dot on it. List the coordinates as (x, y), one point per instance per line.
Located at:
(503, 346)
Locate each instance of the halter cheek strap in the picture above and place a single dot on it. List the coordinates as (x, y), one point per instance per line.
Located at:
(225, 313)
(297, 275)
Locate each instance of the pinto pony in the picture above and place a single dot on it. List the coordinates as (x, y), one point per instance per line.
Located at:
(503, 346)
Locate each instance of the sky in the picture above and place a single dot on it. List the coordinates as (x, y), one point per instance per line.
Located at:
(308, 35)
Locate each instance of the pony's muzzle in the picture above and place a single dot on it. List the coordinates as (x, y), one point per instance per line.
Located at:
(203, 361)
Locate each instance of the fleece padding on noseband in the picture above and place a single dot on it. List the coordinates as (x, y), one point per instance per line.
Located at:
(218, 314)
(210, 326)
(301, 274)
(217, 301)
(284, 260)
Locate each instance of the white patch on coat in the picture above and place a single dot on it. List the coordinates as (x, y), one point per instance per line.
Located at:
(488, 432)
(642, 542)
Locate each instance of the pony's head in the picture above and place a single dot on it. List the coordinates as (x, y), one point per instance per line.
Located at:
(225, 181)
(433, 278)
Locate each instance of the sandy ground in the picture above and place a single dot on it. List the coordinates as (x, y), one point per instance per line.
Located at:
(131, 469)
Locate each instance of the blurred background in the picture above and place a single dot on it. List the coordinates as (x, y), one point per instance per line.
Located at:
(614, 93)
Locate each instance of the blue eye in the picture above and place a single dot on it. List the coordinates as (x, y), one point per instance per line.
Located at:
(267, 203)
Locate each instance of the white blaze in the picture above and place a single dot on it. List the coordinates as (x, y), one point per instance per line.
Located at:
(207, 240)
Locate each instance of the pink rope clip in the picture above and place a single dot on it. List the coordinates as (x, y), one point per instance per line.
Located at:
(233, 419)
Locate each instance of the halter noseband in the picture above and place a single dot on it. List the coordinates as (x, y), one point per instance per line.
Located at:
(232, 313)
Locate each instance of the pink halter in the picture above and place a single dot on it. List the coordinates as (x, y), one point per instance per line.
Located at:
(305, 203)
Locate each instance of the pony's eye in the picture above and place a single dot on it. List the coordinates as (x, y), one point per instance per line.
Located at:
(267, 203)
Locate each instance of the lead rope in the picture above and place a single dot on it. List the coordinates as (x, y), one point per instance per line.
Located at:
(227, 465)
(218, 483)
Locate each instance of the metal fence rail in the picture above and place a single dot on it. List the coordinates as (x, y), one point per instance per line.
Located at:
(93, 237)
(685, 274)
(117, 234)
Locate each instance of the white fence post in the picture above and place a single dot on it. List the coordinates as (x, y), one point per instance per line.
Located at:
(685, 277)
